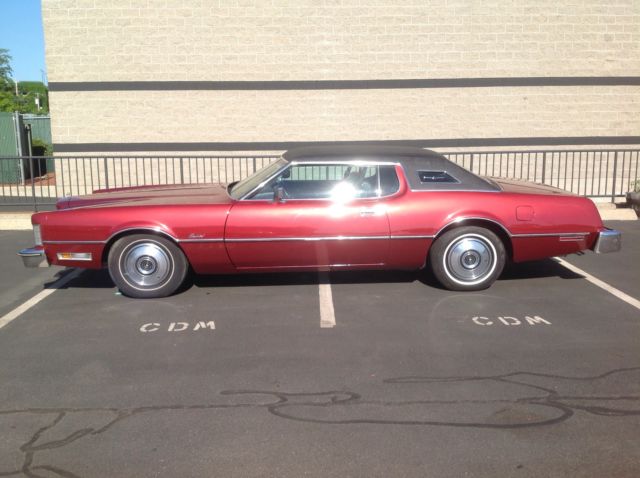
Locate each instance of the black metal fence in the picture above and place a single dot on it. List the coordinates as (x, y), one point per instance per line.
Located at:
(38, 182)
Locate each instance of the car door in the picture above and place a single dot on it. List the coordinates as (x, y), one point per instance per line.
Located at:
(325, 215)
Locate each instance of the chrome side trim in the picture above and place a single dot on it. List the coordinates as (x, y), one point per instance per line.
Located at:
(453, 190)
(571, 238)
(323, 267)
(412, 237)
(328, 200)
(552, 234)
(471, 218)
(259, 239)
(129, 229)
(565, 235)
(305, 239)
(375, 264)
(74, 242)
(323, 238)
(217, 239)
(154, 229)
(347, 162)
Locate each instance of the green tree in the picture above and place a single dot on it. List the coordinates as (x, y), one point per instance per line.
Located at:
(28, 91)
(7, 94)
(7, 101)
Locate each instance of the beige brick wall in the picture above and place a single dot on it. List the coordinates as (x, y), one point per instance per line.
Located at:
(240, 116)
(154, 40)
(99, 40)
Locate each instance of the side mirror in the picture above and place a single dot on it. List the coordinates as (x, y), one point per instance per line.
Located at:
(279, 195)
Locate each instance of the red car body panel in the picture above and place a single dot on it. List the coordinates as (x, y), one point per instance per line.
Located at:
(323, 225)
(222, 235)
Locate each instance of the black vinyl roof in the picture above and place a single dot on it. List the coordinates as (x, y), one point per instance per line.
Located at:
(319, 153)
(413, 160)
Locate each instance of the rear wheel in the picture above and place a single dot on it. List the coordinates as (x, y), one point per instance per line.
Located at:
(467, 258)
(147, 266)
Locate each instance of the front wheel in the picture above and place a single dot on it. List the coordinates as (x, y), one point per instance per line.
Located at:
(147, 266)
(467, 258)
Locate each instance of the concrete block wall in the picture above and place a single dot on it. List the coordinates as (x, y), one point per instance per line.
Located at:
(96, 40)
(120, 73)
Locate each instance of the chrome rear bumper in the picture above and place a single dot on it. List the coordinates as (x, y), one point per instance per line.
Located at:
(33, 257)
(608, 240)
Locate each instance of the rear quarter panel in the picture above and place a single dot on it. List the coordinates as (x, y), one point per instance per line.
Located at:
(428, 213)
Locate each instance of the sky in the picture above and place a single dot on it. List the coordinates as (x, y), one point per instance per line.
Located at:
(21, 34)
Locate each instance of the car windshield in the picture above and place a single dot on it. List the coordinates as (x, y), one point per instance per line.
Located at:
(242, 188)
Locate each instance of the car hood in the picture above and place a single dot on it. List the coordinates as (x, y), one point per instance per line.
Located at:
(150, 195)
(526, 187)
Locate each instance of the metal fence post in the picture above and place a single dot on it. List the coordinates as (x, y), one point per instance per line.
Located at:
(544, 166)
(27, 128)
(19, 145)
(106, 173)
(181, 171)
(615, 171)
(471, 165)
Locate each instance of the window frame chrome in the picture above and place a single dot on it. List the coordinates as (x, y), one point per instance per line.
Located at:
(329, 162)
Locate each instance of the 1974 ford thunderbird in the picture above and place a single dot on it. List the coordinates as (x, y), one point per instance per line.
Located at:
(320, 209)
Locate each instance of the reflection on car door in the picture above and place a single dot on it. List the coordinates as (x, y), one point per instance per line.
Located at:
(308, 232)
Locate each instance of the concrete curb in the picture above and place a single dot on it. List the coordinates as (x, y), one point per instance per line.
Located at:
(21, 221)
(15, 221)
(626, 214)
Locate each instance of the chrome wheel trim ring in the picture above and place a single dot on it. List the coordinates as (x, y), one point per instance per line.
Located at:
(470, 259)
(146, 265)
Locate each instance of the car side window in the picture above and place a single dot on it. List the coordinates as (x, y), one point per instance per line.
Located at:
(339, 182)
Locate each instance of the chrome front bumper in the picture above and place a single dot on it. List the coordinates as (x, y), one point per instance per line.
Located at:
(33, 257)
(608, 240)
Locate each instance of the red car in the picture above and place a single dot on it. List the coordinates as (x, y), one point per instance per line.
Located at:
(320, 209)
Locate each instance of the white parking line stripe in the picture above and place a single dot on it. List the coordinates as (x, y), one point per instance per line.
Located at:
(603, 285)
(327, 314)
(43, 294)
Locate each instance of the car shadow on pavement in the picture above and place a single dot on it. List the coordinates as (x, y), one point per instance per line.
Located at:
(87, 279)
(537, 270)
(530, 270)
(527, 270)
(303, 278)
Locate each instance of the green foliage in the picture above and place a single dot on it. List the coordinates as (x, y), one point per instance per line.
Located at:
(8, 101)
(634, 186)
(28, 91)
(40, 148)
(7, 97)
(26, 100)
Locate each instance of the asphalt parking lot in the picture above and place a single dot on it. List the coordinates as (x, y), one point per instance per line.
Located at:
(537, 376)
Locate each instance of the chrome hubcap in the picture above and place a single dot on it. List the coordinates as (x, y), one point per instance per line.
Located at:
(146, 264)
(470, 259)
